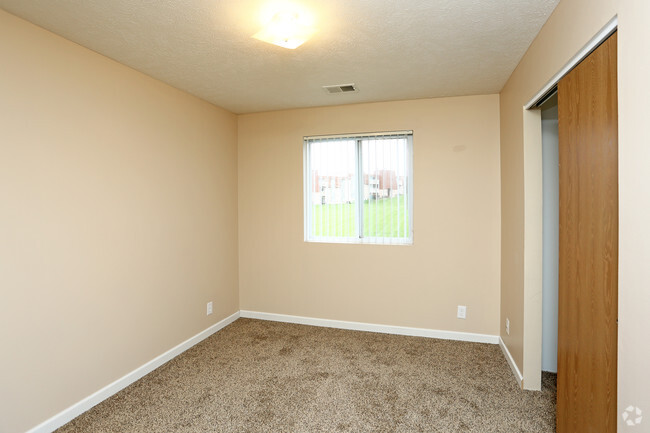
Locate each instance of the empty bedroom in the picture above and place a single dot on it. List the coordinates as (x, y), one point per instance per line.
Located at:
(307, 216)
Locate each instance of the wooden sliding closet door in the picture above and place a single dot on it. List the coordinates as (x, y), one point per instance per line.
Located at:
(588, 261)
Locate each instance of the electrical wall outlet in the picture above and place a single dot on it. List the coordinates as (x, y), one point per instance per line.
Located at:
(507, 326)
(462, 312)
(209, 308)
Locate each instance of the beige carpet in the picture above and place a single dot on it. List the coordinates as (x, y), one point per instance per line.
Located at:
(256, 376)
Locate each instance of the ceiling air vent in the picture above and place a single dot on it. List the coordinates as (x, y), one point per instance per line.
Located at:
(341, 88)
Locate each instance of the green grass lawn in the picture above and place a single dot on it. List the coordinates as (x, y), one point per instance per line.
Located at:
(380, 218)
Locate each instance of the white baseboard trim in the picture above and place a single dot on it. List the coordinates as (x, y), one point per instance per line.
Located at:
(77, 409)
(511, 361)
(369, 327)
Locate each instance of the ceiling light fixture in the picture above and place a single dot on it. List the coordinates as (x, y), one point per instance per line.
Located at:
(288, 29)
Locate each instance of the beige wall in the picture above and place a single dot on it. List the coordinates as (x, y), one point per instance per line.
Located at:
(634, 208)
(455, 256)
(117, 224)
(572, 24)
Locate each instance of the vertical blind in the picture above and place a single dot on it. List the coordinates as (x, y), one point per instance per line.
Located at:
(358, 188)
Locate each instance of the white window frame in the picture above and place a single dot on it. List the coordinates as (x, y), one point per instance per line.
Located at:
(358, 180)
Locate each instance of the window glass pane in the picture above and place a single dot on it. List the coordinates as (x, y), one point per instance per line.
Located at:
(333, 188)
(385, 164)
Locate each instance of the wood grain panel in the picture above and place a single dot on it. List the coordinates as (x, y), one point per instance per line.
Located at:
(588, 262)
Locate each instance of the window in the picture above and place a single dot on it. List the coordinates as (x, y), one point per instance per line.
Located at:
(359, 188)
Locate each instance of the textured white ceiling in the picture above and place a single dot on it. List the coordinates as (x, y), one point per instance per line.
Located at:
(390, 49)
